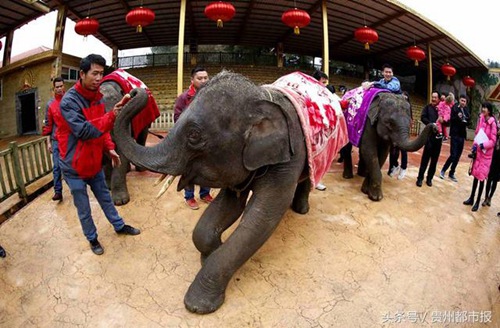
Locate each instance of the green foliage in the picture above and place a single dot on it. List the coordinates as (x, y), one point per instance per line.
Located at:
(493, 64)
(484, 81)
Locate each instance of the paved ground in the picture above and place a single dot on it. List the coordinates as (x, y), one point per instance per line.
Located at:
(419, 257)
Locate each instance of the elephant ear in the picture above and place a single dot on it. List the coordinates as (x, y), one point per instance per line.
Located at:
(374, 110)
(267, 140)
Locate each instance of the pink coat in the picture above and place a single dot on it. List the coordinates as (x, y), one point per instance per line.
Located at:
(444, 110)
(481, 166)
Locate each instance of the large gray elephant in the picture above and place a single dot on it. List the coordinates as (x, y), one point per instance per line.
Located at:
(116, 177)
(388, 123)
(248, 142)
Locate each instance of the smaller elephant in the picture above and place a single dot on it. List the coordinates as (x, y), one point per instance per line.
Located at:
(113, 87)
(388, 123)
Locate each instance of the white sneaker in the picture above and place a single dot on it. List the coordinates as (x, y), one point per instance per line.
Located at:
(394, 171)
(321, 187)
(402, 174)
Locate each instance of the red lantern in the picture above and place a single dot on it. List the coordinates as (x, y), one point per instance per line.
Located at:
(140, 17)
(87, 26)
(296, 18)
(220, 12)
(416, 54)
(366, 35)
(448, 70)
(468, 81)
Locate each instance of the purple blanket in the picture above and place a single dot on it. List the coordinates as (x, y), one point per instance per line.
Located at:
(357, 111)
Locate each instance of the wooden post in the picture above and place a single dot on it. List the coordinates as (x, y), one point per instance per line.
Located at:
(429, 73)
(326, 50)
(62, 11)
(18, 176)
(114, 57)
(8, 48)
(279, 53)
(180, 54)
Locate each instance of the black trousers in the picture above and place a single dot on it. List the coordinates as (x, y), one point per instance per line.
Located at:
(432, 149)
(456, 149)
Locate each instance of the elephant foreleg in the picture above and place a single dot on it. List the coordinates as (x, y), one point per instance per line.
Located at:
(225, 209)
(262, 215)
(119, 190)
(369, 153)
(346, 153)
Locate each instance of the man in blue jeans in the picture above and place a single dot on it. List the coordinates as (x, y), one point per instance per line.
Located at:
(84, 138)
(49, 129)
(199, 77)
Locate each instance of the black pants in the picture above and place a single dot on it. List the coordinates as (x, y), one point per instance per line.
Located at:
(432, 149)
(394, 156)
(456, 149)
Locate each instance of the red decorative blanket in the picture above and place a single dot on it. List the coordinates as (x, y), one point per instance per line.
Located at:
(321, 117)
(128, 82)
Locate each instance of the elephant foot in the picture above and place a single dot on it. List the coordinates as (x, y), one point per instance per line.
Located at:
(375, 196)
(300, 207)
(120, 197)
(199, 299)
(347, 175)
(365, 187)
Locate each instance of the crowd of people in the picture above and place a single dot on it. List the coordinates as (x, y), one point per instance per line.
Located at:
(79, 136)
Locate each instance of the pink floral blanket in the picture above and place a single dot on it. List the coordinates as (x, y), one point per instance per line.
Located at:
(321, 117)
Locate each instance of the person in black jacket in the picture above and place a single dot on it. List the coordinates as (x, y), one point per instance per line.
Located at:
(433, 146)
(460, 119)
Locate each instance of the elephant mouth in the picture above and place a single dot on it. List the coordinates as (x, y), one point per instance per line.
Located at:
(184, 181)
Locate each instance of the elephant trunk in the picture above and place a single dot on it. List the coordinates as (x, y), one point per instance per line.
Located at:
(419, 142)
(148, 157)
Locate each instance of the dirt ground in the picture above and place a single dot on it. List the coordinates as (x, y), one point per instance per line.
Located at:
(418, 258)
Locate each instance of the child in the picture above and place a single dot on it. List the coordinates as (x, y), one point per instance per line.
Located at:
(444, 110)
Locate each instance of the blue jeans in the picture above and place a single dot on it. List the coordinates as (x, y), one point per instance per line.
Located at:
(101, 192)
(56, 169)
(189, 192)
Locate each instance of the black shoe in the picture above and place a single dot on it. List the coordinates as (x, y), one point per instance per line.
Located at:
(419, 183)
(2, 252)
(96, 247)
(128, 230)
(486, 202)
(429, 183)
(475, 207)
(57, 196)
(468, 201)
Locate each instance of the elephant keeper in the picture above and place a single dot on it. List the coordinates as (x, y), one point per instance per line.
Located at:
(199, 77)
(83, 140)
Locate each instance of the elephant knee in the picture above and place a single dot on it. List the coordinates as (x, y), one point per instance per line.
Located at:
(205, 241)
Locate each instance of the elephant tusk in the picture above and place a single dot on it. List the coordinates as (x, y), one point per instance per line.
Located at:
(160, 179)
(166, 185)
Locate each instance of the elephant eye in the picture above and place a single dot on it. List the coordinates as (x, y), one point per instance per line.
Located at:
(194, 136)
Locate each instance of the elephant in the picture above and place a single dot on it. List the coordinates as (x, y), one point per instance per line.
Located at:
(388, 123)
(246, 140)
(116, 178)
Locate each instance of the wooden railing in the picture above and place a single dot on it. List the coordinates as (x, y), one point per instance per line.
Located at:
(21, 165)
(164, 122)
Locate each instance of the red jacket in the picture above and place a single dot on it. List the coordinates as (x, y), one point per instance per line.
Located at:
(183, 101)
(85, 136)
(52, 115)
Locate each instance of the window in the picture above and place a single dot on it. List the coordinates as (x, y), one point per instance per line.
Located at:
(69, 73)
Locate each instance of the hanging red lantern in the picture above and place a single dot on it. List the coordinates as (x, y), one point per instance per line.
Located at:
(296, 18)
(366, 35)
(220, 12)
(448, 70)
(416, 54)
(140, 17)
(87, 26)
(468, 81)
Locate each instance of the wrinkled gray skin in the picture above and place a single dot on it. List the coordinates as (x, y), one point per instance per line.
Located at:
(388, 124)
(116, 177)
(232, 137)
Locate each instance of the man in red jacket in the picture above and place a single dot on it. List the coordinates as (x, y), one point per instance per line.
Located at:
(199, 77)
(49, 129)
(83, 140)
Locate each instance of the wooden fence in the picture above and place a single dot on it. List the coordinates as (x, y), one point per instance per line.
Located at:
(21, 165)
(164, 122)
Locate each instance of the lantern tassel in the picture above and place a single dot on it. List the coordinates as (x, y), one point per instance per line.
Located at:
(447, 78)
(220, 23)
(416, 62)
(367, 46)
(139, 29)
(296, 30)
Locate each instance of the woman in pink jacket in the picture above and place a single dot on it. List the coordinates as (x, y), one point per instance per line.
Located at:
(482, 152)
